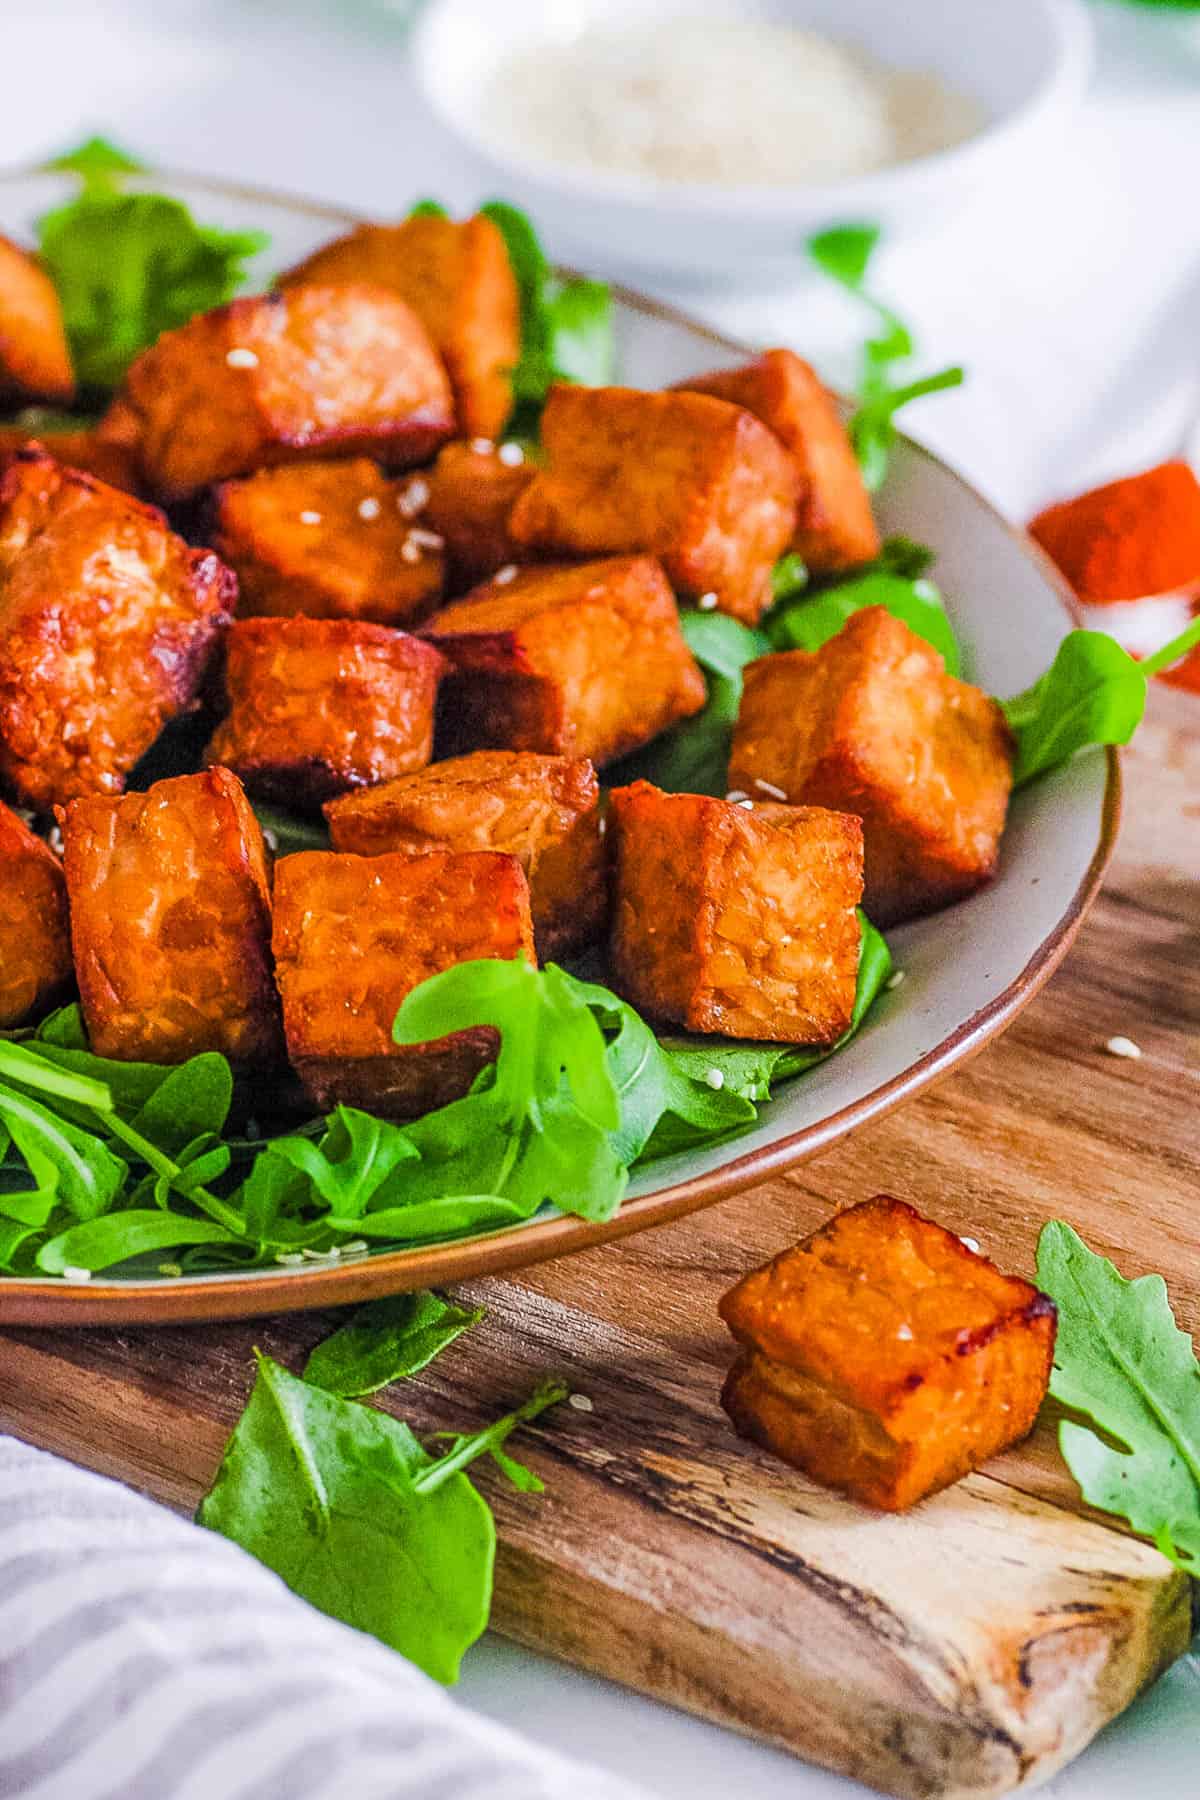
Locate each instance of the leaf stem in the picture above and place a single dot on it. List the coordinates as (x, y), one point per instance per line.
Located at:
(1171, 653)
(171, 1172)
(480, 1443)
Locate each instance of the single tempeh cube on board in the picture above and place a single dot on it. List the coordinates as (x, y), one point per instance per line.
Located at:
(458, 279)
(736, 922)
(586, 660)
(835, 528)
(333, 540)
(872, 724)
(317, 706)
(354, 935)
(108, 622)
(700, 483)
(35, 362)
(884, 1357)
(472, 491)
(279, 378)
(171, 922)
(35, 944)
(544, 810)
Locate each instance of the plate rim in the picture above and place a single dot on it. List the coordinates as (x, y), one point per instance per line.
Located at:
(29, 1301)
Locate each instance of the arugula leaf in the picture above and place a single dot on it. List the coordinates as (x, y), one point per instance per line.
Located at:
(128, 267)
(811, 621)
(428, 209)
(352, 1164)
(1123, 1363)
(905, 556)
(97, 161)
(844, 252)
(789, 577)
(356, 1517)
(387, 1340)
(1093, 693)
(114, 1238)
(286, 832)
(693, 757)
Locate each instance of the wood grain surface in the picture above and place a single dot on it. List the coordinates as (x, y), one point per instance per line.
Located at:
(970, 1647)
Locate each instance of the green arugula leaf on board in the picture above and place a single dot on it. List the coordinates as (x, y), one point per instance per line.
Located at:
(844, 253)
(387, 1340)
(1122, 1362)
(359, 1519)
(811, 621)
(693, 758)
(129, 266)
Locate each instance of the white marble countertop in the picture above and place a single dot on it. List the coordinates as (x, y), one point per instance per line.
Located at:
(1074, 305)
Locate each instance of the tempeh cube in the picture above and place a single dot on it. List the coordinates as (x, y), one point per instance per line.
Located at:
(734, 921)
(544, 810)
(872, 724)
(472, 491)
(355, 934)
(884, 1357)
(587, 660)
(317, 706)
(695, 481)
(35, 943)
(171, 922)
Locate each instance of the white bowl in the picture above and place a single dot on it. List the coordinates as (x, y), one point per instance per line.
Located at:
(1024, 61)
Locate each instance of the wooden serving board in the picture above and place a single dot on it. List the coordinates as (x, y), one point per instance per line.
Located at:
(966, 1649)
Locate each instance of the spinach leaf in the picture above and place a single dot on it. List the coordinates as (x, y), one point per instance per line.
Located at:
(1121, 1362)
(356, 1517)
(387, 1340)
(812, 620)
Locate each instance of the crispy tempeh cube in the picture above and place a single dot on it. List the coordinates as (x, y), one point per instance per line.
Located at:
(171, 922)
(108, 622)
(355, 934)
(883, 1357)
(35, 943)
(279, 378)
(472, 491)
(544, 810)
(458, 279)
(733, 921)
(699, 483)
(872, 724)
(317, 706)
(587, 660)
(329, 539)
(835, 528)
(35, 363)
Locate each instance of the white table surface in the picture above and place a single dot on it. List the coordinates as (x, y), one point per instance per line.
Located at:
(1074, 303)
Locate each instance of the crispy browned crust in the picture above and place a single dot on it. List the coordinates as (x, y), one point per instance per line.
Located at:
(171, 922)
(583, 660)
(872, 724)
(112, 463)
(329, 539)
(736, 922)
(35, 944)
(701, 484)
(544, 810)
(317, 706)
(354, 935)
(835, 528)
(471, 496)
(35, 363)
(108, 621)
(885, 1358)
(343, 371)
(458, 279)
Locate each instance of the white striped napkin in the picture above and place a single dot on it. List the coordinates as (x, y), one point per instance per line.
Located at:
(142, 1658)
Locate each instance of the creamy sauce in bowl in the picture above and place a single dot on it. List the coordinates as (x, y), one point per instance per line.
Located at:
(720, 102)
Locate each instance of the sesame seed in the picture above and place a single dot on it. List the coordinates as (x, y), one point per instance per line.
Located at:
(746, 805)
(71, 1273)
(904, 1333)
(736, 794)
(601, 827)
(412, 498)
(503, 576)
(329, 1255)
(270, 840)
(896, 979)
(239, 358)
(482, 446)
(427, 540)
(1125, 1047)
(291, 1259)
(511, 455)
(356, 1247)
(169, 1269)
(369, 508)
(971, 1243)
(310, 518)
(715, 1078)
(707, 602)
(768, 787)
(581, 1403)
(410, 552)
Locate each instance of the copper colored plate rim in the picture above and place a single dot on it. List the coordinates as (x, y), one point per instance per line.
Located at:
(26, 1302)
